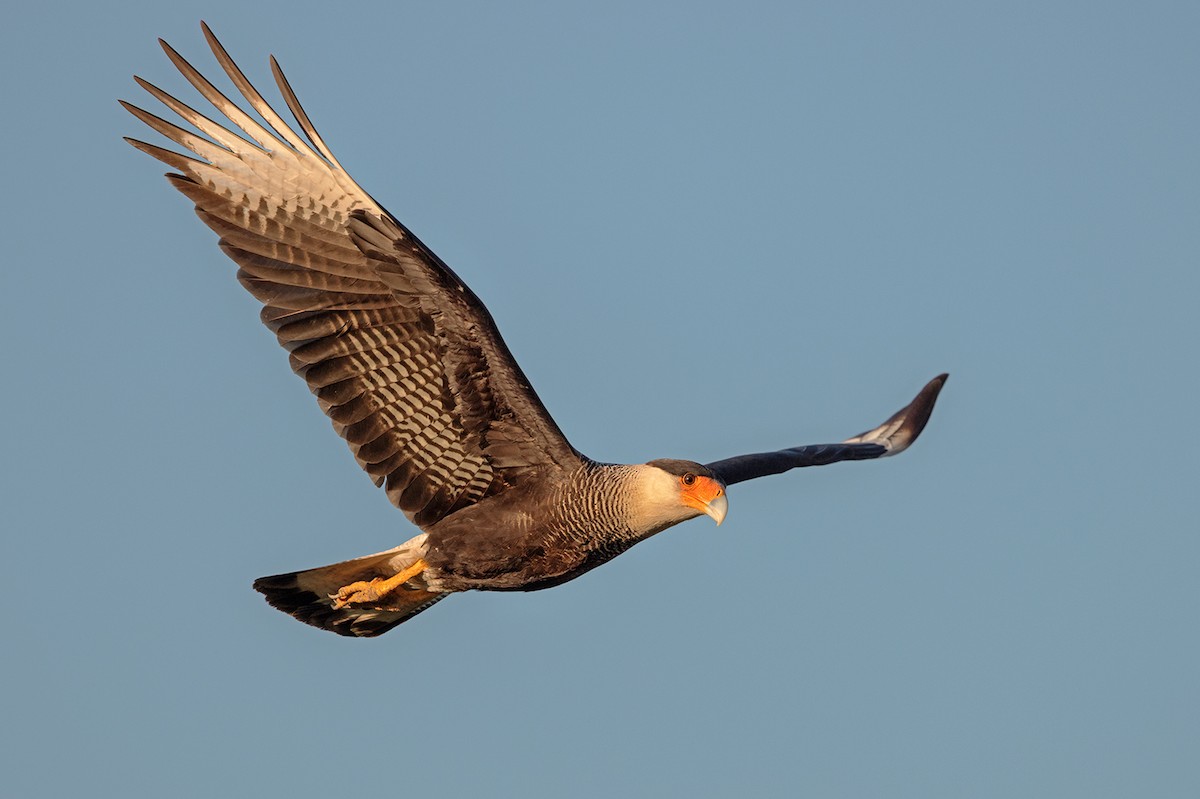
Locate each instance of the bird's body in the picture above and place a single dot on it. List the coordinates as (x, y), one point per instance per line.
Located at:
(537, 538)
(410, 368)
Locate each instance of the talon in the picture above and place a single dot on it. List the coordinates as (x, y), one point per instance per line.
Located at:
(356, 593)
(363, 592)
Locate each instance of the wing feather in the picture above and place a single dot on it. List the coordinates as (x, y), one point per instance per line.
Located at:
(491, 392)
(891, 438)
(168, 157)
(218, 133)
(256, 101)
(402, 357)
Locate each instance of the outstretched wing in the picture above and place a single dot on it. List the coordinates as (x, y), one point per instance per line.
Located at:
(404, 359)
(890, 438)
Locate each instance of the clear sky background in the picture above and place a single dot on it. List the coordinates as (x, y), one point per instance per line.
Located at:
(704, 229)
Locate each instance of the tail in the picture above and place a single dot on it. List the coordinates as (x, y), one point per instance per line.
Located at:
(305, 595)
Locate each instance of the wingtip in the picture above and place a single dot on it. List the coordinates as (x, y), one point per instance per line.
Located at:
(915, 415)
(214, 43)
(932, 388)
(904, 427)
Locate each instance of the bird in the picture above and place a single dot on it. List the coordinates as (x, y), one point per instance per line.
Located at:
(410, 368)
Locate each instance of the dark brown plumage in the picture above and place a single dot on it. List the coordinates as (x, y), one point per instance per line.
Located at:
(409, 366)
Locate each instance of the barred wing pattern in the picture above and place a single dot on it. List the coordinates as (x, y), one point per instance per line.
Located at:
(401, 355)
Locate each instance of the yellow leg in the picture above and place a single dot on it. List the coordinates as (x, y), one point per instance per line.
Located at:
(362, 592)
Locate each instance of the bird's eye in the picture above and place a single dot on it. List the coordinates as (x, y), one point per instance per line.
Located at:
(688, 479)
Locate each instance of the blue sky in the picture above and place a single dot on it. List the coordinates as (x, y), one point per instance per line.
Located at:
(704, 229)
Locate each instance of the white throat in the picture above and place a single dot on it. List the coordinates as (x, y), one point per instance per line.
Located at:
(657, 504)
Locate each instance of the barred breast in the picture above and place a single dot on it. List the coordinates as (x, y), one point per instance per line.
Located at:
(538, 536)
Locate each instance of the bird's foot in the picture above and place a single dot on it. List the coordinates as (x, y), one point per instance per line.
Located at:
(358, 593)
(366, 592)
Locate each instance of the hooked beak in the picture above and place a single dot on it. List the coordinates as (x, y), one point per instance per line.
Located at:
(708, 497)
(717, 508)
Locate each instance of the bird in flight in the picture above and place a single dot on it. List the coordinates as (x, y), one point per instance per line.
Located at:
(409, 366)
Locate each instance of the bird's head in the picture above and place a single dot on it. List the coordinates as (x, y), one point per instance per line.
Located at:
(673, 491)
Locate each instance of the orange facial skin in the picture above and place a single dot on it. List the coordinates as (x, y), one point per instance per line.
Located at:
(704, 494)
